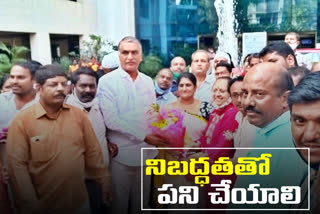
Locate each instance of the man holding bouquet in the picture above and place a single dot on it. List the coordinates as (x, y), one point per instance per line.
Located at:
(124, 98)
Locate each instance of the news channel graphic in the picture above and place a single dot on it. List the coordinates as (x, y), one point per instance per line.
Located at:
(209, 179)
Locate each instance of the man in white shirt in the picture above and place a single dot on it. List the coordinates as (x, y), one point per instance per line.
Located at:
(21, 96)
(22, 92)
(84, 97)
(244, 136)
(293, 40)
(200, 66)
(124, 98)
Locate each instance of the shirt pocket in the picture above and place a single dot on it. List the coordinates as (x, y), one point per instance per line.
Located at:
(41, 149)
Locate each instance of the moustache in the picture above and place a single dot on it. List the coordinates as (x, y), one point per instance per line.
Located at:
(90, 95)
(60, 95)
(251, 108)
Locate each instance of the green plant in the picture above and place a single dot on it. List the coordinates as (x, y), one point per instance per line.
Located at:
(150, 65)
(10, 56)
(65, 62)
(96, 46)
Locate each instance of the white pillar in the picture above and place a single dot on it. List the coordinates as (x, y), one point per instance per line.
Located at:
(116, 19)
(40, 47)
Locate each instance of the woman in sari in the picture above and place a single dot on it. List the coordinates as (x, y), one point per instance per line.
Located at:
(195, 112)
(195, 116)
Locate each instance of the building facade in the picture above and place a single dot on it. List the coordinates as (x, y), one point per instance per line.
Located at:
(52, 28)
(166, 28)
(178, 27)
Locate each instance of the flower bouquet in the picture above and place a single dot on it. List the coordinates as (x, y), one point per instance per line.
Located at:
(167, 124)
(3, 135)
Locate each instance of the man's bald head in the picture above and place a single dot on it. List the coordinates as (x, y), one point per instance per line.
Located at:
(265, 88)
(164, 78)
(178, 64)
(274, 73)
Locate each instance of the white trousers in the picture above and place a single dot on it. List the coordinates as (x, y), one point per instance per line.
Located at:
(126, 189)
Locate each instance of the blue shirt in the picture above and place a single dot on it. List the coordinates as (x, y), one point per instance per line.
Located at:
(166, 99)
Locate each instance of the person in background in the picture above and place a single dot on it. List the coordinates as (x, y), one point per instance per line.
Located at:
(297, 73)
(223, 69)
(221, 57)
(110, 62)
(21, 96)
(200, 66)
(73, 67)
(280, 53)
(245, 133)
(316, 67)
(49, 158)
(221, 120)
(220, 130)
(254, 59)
(85, 82)
(177, 66)
(83, 62)
(304, 103)
(5, 84)
(246, 65)
(212, 54)
(162, 86)
(293, 40)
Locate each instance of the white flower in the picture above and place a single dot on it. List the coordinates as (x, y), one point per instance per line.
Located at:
(228, 135)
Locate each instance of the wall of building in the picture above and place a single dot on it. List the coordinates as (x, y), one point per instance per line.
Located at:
(116, 19)
(172, 28)
(41, 18)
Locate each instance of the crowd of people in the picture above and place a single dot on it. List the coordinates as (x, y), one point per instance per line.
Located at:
(72, 144)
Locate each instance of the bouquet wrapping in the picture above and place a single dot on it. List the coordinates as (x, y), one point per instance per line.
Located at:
(3, 134)
(167, 124)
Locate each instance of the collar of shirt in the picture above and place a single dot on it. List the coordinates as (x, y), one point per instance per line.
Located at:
(40, 111)
(210, 78)
(10, 97)
(281, 120)
(70, 101)
(125, 74)
(164, 96)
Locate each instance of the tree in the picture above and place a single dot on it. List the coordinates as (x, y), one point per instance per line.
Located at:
(8, 57)
(150, 65)
(96, 46)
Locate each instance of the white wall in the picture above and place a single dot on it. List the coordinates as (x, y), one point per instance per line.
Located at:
(44, 17)
(116, 19)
